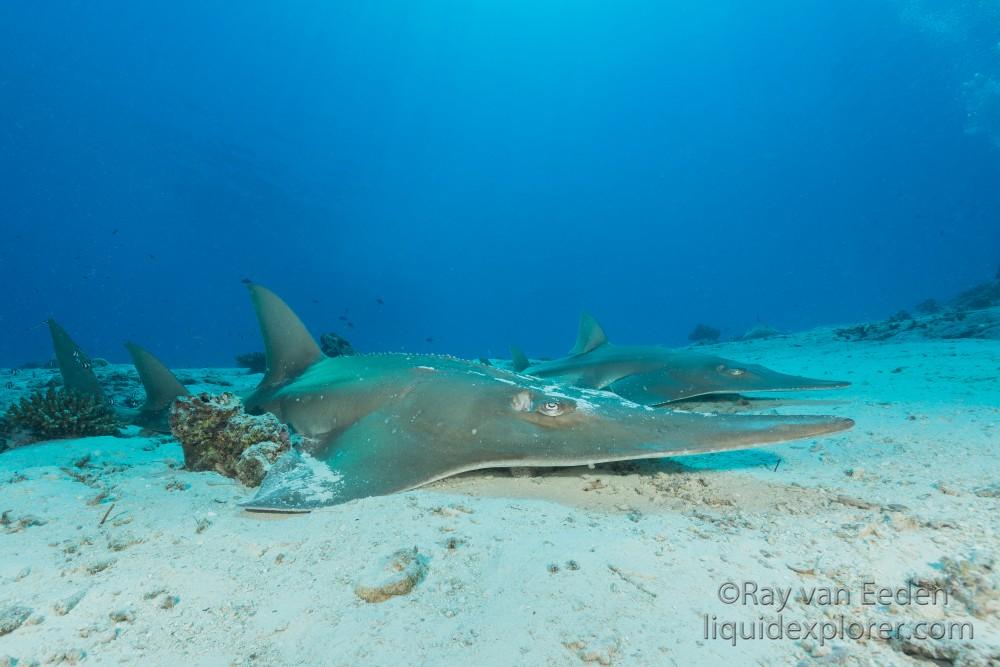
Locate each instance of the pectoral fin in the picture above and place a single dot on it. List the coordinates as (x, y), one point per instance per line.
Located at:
(374, 457)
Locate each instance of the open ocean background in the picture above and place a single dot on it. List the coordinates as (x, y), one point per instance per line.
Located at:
(458, 176)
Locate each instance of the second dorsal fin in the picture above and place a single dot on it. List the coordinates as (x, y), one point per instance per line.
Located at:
(287, 344)
(590, 337)
(161, 386)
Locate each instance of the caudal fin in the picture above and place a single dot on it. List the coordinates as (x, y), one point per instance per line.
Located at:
(288, 346)
(74, 365)
(161, 386)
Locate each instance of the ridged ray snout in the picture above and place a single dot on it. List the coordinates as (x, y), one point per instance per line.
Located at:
(759, 378)
(674, 433)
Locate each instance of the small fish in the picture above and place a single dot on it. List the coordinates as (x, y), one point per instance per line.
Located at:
(429, 339)
(343, 318)
(315, 300)
(114, 232)
(379, 301)
(246, 281)
(350, 324)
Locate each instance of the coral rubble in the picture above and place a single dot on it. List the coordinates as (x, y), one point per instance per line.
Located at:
(975, 313)
(216, 434)
(973, 581)
(948, 325)
(398, 575)
(983, 295)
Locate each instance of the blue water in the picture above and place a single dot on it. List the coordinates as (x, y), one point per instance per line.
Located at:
(485, 169)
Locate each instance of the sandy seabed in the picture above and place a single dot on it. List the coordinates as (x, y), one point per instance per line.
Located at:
(111, 553)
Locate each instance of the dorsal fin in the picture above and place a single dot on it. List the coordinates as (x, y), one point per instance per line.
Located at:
(518, 360)
(590, 337)
(161, 386)
(287, 344)
(75, 366)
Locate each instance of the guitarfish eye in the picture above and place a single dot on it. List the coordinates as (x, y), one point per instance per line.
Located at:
(551, 409)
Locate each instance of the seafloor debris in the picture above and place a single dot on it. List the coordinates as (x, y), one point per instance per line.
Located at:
(65, 606)
(975, 313)
(596, 650)
(99, 566)
(63, 413)
(122, 615)
(885, 330)
(216, 434)
(948, 325)
(950, 652)
(984, 295)
(11, 525)
(973, 581)
(396, 576)
(990, 491)
(73, 656)
(13, 617)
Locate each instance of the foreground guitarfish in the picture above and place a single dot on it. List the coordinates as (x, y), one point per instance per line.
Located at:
(653, 375)
(378, 424)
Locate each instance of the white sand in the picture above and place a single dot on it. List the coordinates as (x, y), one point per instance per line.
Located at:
(616, 565)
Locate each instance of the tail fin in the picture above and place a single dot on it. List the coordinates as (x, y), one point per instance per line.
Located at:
(287, 344)
(590, 337)
(518, 359)
(74, 365)
(161, 386)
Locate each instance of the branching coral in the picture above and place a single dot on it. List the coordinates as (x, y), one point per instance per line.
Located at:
(59, 414)
(216, 434)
